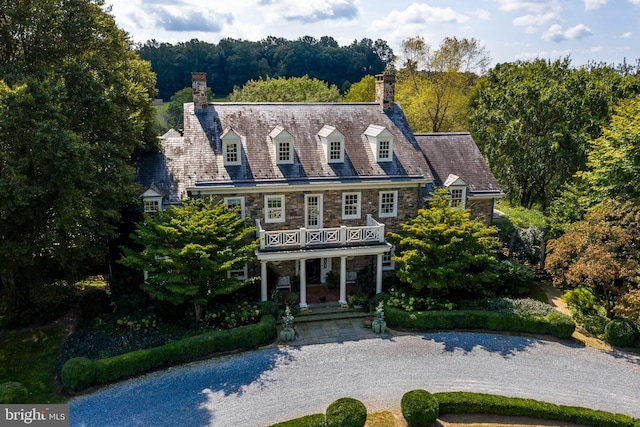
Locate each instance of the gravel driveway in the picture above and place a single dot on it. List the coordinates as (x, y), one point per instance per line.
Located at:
(271, 385)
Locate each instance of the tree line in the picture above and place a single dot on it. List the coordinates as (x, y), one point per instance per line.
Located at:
(233, 62)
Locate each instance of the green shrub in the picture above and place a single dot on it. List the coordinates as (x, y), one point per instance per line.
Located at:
(92, 303)
(315, 420)
(13, 392)
(78, 373)
(419, 408)
(556, 324)
(620, 333)
(478, 403)
(346, 412)
(269, 308)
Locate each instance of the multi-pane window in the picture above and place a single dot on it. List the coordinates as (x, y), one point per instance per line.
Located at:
(384, 150)
(231, 153)
(350, 205)
(388, 203)
(387, 261)
(239, 273)
(274, 208)
(335, 151)
(235, 201)
(456, 197)
(284, 152)
(151, 206)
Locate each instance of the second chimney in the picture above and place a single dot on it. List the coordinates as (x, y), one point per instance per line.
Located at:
(199, 88)
(385, 90)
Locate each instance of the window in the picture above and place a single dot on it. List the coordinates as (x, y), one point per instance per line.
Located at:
(239, 273)
(231, 153)
(284, 152)
(235, 201)
(387, 262)
(456, 197)
(335, 151)
(388, 204)
(151, 206)
(350, 205)
(384, 150)
(274, 208)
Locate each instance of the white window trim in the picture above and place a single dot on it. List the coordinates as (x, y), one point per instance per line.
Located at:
(463, 198)
(239, 273)
(225, 147)
(278, 146)
(357, 215)
(266, 208)
(156, 200)
(306, 211)
(389, 155)
(340, 158)
(392, 214)
(390, 264)
(241, 198)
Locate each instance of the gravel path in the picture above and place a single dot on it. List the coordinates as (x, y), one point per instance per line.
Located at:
(271, 385)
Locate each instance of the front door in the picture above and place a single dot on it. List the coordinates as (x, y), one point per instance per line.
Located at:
(313, 211)
(325, 267)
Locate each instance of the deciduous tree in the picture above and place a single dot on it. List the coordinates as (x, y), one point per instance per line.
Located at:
(189, 251)
(294, 89)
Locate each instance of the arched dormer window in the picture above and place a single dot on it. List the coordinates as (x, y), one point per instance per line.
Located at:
(231, 148)
(381, 142)
(332, 144)
(283, 143)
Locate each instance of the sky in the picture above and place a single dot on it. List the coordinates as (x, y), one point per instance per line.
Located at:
(510, 30)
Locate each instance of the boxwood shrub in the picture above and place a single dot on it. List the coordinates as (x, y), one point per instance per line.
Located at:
(346, 412)
(129, 364)
(479, 403)
(556, 324)
(620, 333)
(419, 408)
(315, 420)
(13, 392)
(78, 373)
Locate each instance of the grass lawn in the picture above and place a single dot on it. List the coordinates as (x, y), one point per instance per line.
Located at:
(27, 356)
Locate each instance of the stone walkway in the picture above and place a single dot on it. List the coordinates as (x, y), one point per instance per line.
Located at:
(332, 331)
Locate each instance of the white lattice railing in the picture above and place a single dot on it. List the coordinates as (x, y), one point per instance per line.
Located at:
(305, 237)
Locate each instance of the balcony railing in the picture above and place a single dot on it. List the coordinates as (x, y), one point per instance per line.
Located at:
(373, 232)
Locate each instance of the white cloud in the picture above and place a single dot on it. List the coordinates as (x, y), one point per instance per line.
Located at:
(529, 20)
(627, 35)
(557, 34)
(482, 14)
(314, 10)
(534, 6)
(419, 14)
(634, 2)
(594, 4)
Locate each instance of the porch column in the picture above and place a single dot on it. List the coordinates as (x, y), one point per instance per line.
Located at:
(343, 280)
(263, 284)
(379, 274)
(303, 284)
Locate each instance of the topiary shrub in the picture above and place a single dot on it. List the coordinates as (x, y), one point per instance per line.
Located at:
(620, 333)
(78, 373)
(13, 392)
(419, 408)
(346, 412)
(93, 303)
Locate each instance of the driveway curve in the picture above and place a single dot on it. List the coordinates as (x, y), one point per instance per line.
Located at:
(275, 384)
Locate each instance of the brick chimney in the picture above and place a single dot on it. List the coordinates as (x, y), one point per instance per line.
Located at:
(199, 88)
(385, 90)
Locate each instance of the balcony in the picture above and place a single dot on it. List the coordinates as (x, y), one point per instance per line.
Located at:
(372, 233)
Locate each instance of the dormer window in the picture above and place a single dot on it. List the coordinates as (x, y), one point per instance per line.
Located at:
(381, 143)
(152, 200)
(457, 191)
(283, 143)
(332, 144)
(231, 148)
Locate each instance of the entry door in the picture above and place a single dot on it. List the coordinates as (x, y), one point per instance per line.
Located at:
(313, 210)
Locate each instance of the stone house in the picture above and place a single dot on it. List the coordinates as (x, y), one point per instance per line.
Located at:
(323, 182)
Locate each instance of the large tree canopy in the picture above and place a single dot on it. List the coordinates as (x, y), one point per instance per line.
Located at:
(533, 120)
(294, 89)
(188, 252)
(74, 105)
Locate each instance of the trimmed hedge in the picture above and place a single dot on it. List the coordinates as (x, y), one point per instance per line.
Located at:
(557, 324)
(479, 403)
(620, 333)
(419, 408)
(346, 412)
(315, 420)
(129, 364)
(78, 373)
(13, 392)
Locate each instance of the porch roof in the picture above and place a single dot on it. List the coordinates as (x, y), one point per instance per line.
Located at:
(323, 252)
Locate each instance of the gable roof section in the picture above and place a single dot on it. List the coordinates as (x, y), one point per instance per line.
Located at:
(457, 154)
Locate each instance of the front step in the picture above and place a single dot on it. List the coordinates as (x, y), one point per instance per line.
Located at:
(318, 313)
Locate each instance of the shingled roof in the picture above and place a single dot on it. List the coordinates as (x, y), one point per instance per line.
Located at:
(457, 154)
(195, 158)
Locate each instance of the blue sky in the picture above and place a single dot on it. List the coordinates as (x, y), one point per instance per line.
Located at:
(587, 30)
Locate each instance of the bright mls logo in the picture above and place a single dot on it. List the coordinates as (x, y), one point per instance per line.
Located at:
(37, 415)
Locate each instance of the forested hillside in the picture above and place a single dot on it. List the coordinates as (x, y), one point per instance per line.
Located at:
(233, 62)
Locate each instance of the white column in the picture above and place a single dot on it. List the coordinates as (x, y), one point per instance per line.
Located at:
(343, 280)
(379, 274)
(303, 284)
(263, 284)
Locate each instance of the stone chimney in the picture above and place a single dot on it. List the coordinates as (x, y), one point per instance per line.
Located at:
(199, 88)
(385, 90)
